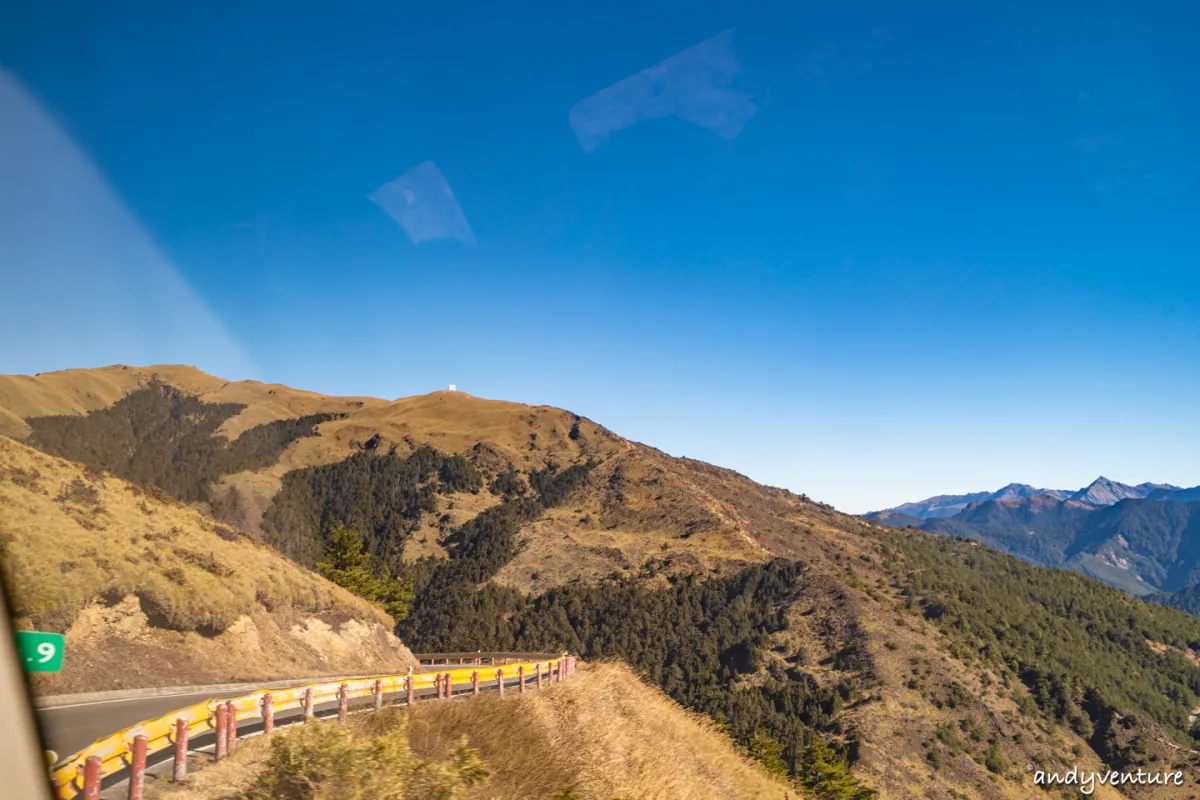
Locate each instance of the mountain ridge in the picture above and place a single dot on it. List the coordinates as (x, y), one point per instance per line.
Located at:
(1100, 492)
(947, 505)
(527, 525)
(1139, 544)
(1106, 492)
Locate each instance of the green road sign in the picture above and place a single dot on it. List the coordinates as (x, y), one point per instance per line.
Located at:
(41, 652)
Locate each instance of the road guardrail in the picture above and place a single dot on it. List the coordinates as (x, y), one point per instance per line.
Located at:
(130, 749)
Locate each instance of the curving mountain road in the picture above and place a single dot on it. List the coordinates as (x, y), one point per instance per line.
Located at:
(68, 728)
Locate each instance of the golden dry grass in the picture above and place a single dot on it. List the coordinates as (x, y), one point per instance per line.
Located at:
(573, 544)
(113, 567)
(603, 733)
(209, 781)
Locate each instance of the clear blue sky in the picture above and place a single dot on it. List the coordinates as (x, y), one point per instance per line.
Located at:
(867, 252)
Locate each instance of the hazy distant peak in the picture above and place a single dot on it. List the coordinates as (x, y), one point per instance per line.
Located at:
(1105, 491)
(948, 505)
(1016, 491)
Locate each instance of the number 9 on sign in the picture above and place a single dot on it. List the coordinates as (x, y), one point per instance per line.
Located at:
(41, 652)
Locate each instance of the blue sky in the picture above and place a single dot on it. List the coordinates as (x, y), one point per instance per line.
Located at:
(866, 252)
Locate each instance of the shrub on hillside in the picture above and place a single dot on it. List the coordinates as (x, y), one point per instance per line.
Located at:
(347, 565)
(371, 761)
(507, 484)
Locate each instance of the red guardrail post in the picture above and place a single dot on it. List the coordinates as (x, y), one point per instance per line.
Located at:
(268, 714)
(231, 719)
(521, 679)
(343, 703)
(410, 688)
(537, 673)
(91, 778)
(500, 680)
(449, 686)
(137, 767)
(475, 682)
(308, 704)
(222, 731)
(378, 694)
(181, 750)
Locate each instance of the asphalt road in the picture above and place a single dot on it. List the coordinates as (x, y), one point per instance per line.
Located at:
(66, 729)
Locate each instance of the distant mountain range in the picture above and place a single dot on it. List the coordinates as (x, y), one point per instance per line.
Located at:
(1144, 538)
(1100, 492)
(947, 505)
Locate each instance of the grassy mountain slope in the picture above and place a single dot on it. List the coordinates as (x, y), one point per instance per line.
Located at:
(149, 592)
(939, 672)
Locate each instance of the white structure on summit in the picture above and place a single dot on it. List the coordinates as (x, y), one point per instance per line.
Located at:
(453, 388)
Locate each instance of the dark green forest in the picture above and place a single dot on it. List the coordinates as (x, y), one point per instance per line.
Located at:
(159, 436)
(698, 639)
(695, 638)
(447, 589)
(348, 565)
(451, 605)
(1082, 648)
(382, 496)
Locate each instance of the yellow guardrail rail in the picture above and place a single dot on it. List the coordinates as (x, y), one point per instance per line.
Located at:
(124, 750)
